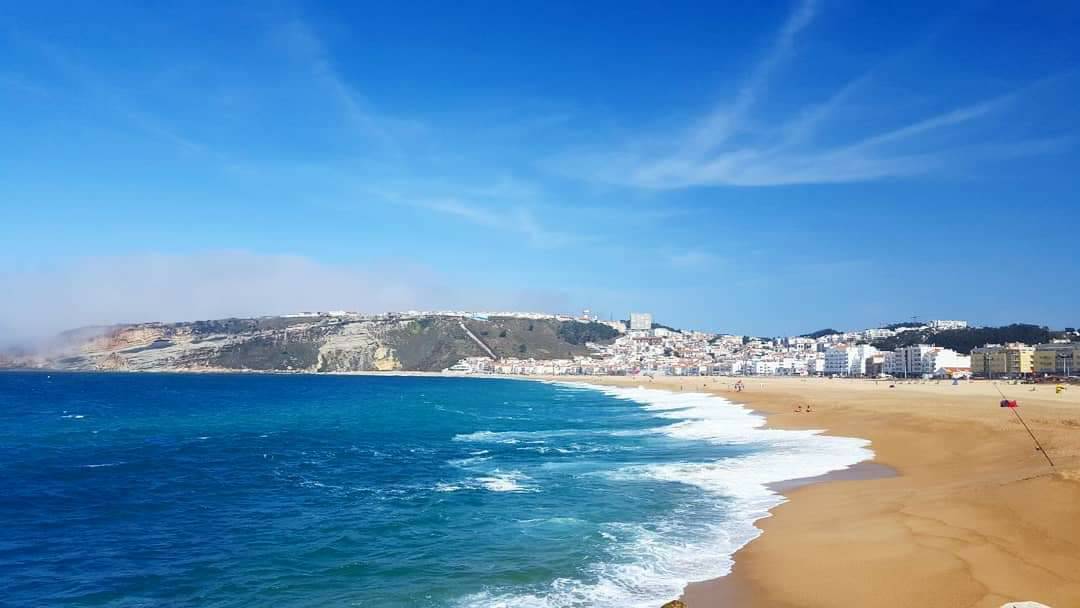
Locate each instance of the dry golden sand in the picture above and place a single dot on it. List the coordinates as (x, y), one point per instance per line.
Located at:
(975, 518)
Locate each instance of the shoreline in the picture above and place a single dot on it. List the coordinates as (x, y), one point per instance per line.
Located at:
(867, 469)
(973, 517)
(718, 594)
(796, 459)
(956, 508)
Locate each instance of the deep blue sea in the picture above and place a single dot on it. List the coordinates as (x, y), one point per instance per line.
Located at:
(297, 490)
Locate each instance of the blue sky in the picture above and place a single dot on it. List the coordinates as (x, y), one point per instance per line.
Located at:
(768, 168)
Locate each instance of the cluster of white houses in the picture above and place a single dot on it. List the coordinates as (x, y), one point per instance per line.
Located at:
(858, 360)
(916, 361)
(645, 349)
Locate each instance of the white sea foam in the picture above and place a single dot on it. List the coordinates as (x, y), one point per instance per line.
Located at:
(510, 481)
(532, 439)
(468, 462)
(575, 448)
(512, 437)
(664, 558)
(495, 481)
(487, 437)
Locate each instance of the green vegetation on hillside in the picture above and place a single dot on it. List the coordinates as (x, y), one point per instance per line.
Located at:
(576, 332)
(903, 324)
(542, 338)
(963, 340)
(821, 333)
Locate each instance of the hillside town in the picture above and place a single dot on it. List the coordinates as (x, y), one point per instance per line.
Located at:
(645, 348)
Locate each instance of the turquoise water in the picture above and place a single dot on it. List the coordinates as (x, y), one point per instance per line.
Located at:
(244, 490)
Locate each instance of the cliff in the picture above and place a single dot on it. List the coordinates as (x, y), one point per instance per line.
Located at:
(320, 343)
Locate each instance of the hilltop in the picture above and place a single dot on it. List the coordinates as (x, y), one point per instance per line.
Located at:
(315, 343)
(964, 339)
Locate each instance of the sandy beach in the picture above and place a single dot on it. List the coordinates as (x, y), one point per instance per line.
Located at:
(974, 517)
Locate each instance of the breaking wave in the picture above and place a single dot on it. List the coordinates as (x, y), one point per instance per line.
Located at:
(664, 556)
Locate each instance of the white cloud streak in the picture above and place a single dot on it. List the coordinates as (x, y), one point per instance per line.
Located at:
(724, 149)
(721, 124)
(107, 93)
(520, 220)
(304, 46)
(692, 259)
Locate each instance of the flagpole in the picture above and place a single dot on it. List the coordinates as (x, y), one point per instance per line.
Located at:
(1026, 427)
(1033, 438)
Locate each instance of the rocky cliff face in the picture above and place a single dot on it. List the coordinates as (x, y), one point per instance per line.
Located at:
(309, 344)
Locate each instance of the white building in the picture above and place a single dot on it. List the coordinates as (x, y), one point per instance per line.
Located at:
(876, 334)
(763, 367)
(944, 324)
(790, 366)
(845, 360)
(801, 344)
(945, 362)
(924, 360)
(906, 361)
(836, 360)
(890, 365)
(640, 321)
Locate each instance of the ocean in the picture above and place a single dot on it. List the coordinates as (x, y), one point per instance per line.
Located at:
(300, 490)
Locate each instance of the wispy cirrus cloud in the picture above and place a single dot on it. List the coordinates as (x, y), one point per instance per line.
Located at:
(93, 86)
(505, 203)
(692, 258)
(303, 45)
(725, 120)
(733, 146)
(506, 214)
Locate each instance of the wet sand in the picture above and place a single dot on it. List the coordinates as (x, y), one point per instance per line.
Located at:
(973, 517)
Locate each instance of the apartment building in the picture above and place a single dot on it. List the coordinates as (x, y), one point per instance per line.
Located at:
(1057, 359)
(922, 360)
(1009, 361)
(848, 360)
(640, 321)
